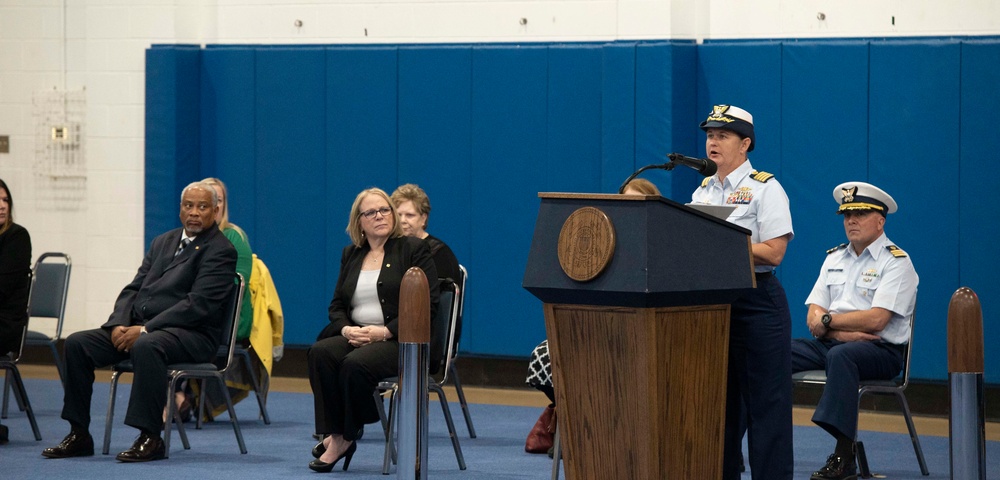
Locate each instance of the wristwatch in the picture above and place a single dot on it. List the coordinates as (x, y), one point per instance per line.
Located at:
(826, 319)
(142, 330)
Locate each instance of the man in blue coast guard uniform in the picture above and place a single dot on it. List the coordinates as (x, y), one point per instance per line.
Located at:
(859, 314)
(760, 332)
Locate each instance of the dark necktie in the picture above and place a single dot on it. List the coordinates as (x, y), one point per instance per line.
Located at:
(180, 248)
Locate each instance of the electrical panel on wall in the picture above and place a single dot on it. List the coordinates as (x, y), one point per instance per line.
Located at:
(60, 160)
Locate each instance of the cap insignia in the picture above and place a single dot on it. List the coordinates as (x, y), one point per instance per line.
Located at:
(849, 194)
(719, 114)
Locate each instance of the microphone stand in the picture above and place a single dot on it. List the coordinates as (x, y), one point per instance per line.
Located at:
(665, 166)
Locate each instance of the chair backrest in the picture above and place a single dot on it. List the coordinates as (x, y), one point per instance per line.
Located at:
(443, 327)
(457, 337)
(50, 289)
(909, 350)
(229, 331)
(461, 298)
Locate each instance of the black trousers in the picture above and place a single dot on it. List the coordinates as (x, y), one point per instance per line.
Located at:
(846, 365)
(150, 355)
(759, 384)
(343, 379)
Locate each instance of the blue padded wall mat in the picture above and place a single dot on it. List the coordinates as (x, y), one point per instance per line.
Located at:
(297, 131)
(654, 112)
(824, 137)
(979, 261)
(748, 75)
(508, 170)
(574, 119)
(291, 192)
(435, 138)
(685, 136)
(172, 133)
(228, 116)
(914, 132)
(360, 121)
(617, 114)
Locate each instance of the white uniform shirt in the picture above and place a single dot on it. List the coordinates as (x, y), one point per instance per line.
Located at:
(761, 207)
(849, 282)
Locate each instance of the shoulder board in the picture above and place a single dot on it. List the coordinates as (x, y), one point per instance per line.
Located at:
(704, 183)
(895, 251)
(761, 177)
(838, 247)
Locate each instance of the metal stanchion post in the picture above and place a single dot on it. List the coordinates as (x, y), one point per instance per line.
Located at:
(967, 430)
(414, 355)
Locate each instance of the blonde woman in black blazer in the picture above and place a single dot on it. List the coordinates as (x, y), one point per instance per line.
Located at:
(359, 348)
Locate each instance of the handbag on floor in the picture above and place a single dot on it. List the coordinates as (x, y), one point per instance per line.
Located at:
(541, 436)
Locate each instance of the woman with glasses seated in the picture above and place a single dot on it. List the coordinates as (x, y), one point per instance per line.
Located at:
(359, 347)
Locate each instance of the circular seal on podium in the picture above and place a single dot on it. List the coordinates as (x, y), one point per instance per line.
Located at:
(586, 244)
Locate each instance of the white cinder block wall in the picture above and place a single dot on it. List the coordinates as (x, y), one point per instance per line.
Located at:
(99, 45)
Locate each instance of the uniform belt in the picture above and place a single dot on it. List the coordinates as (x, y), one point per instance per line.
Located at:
(763, 275)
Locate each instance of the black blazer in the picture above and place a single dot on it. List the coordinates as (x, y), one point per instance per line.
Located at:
(400, 254)
(184, 295)
(15, 265)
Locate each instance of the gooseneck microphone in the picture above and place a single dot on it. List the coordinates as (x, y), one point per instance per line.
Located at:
(703, 166)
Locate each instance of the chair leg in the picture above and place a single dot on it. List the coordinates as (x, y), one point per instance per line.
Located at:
(461, 400)
(232, 413)
(380, 406)
(6, 394)
(60, 367)
(913, 433)
(451, 425)
(556, 453)
(862, 459)
(261, 401)
(173, 417)
(201, 405)
(390, 446)
(110, 418)
(22, 399)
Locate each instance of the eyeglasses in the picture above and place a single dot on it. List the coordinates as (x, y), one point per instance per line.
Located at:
(370, 214)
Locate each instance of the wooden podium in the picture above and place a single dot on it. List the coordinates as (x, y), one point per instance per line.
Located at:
(637, 292)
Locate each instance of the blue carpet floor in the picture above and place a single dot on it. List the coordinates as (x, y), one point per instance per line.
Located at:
(281, 450)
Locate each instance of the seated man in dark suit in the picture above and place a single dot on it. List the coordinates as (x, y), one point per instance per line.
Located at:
(172, 312)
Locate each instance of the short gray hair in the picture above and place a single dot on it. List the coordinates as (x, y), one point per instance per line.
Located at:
(204, 186)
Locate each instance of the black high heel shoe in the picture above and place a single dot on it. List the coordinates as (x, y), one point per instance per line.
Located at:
(323, 467)
(318, 450)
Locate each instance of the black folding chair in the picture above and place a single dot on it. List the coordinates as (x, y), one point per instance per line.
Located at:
(180, 371)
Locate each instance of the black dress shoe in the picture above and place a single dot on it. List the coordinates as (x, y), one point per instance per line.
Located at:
(3, 435)
(146, 448)
(74, 445)
(837, 467)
